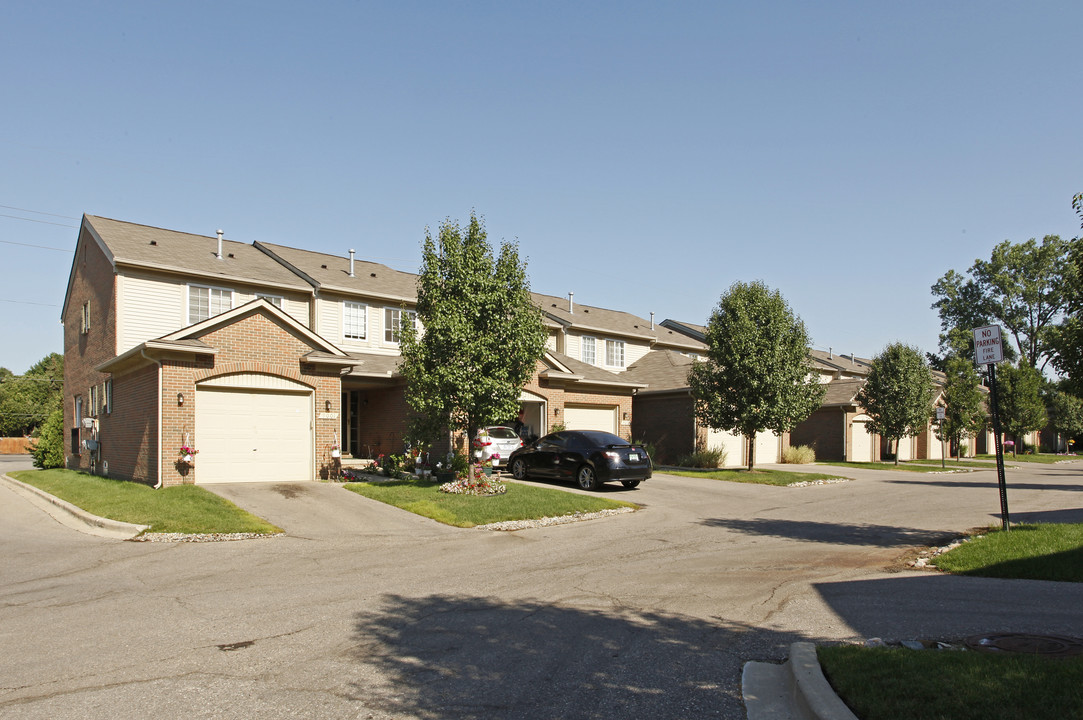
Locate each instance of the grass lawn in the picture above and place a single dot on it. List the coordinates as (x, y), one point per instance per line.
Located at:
(177, 509)
(978, 464)
(903, 465)
(1043, 458)
(891, 683)
(1034, 552)
(882, 683)
(520, 502)
(761, 477)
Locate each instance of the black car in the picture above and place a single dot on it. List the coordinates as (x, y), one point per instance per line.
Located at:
(590, 457)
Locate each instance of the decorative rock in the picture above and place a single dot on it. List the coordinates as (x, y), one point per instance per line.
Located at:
(875, 642)
(912, 645)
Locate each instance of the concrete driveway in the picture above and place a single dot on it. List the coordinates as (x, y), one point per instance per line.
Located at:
(362, 611)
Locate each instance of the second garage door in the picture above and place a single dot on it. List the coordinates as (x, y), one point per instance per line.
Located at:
(591, 417)
(253, 436)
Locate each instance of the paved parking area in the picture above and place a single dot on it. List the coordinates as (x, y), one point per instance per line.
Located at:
(363, 611)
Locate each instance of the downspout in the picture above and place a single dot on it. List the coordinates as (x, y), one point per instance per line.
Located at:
(143, 352)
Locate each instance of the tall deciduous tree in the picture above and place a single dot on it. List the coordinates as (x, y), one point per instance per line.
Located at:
(898, 393)
(480, 335)
(964, 411)
(1022, 287)
(1019, 401)
(1068, 340)
(27, 400)
(757, 375)
(1065, 414)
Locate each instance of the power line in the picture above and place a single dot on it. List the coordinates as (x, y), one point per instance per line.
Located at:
(43, 222)
(43, 247)
(27, 302)
(38, 212)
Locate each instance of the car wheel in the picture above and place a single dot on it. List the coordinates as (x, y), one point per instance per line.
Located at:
(630, 483)
(518, 469)
(587, 478)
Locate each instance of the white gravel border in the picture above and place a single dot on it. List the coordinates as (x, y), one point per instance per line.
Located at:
(548, 521)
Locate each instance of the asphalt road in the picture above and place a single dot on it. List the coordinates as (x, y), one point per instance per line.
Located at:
(363, 611)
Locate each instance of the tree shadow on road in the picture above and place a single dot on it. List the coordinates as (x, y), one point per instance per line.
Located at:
(833, 533)
(472, 657)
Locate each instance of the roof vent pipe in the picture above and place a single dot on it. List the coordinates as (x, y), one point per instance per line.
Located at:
(571, 302)
(853, 359)
(219, 255)
(351, 262)
(652, 321)
(830, 353)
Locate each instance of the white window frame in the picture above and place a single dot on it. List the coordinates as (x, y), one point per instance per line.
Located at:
(109, 396)
(224, 295)
(593, 342)
(276, 300)
(359, 333)
(611, 350)
(84, 325)
(393, 324)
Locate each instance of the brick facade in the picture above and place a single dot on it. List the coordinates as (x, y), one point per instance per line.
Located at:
(668, 422)
(92, 281)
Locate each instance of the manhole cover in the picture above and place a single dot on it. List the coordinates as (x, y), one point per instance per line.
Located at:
(1026, 644)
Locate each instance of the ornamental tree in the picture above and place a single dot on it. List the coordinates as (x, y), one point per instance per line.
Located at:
(1023, 287)
(898, 393)
(1019, 401)
(480, 334)
(964, 411)
(757, 375)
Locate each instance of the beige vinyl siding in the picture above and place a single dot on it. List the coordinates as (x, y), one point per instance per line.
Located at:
(147, 308)
(330, 325)
(292, 305)
(634, 352)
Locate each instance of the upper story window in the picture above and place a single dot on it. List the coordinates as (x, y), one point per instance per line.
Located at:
(587, 350)
(84, 320)
(614, 353)
(393, 322)
(206, 302)
(275, 300)
(354, 320)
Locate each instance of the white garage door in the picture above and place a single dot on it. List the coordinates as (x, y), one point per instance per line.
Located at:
(768, 447)
(248, 435)
(860, 442)
(591, 417)
(732, 443)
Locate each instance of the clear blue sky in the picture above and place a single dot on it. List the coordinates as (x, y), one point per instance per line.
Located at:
(644, 155)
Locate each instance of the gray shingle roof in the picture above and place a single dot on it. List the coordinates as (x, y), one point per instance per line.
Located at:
(171, 251)
(332, 272)
(661, 370)
(612, 322)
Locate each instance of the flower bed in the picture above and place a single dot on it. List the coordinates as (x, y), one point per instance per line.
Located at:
(476, 483)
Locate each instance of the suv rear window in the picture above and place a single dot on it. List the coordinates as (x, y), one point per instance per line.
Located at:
(502, 433)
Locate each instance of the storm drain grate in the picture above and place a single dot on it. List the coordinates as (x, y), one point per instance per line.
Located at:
(1027, 644)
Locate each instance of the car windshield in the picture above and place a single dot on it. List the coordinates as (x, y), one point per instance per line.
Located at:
(603, 439)
(502, 433)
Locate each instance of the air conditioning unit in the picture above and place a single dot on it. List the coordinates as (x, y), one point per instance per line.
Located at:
(88, 423)
(90, 445)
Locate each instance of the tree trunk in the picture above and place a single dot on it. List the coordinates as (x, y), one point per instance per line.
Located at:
(897, 451)
(751, 451)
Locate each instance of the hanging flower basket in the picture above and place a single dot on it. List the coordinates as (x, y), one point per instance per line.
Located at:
(187, 453)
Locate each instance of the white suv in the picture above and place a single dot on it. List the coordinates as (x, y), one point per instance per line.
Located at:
(496, 444)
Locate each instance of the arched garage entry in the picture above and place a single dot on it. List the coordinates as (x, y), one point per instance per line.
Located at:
(252, 427)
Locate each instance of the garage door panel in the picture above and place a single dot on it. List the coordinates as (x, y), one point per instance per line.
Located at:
(246, 436)
(591, 417)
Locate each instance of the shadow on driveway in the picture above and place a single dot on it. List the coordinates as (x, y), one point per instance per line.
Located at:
(833, 533)
(476, 657)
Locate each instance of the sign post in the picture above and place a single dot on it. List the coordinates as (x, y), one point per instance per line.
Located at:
(989, 351)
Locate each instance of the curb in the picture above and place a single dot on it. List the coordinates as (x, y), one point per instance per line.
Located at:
(74, 517)
(795, 690)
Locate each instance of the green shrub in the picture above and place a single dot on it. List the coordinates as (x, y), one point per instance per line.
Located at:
(49, 452)
(711, 458)
(649, 447)
(798, 455)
